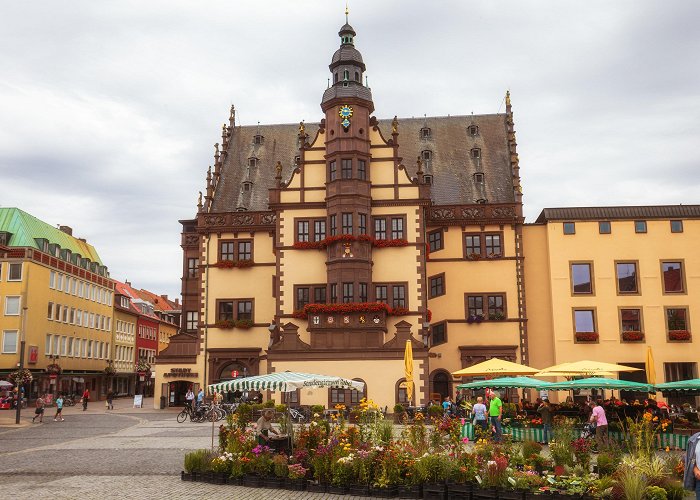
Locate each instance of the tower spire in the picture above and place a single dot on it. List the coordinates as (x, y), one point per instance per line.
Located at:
(347, 11)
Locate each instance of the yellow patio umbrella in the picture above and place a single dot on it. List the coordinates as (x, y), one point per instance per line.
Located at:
(587, 367)
(408, 368)
(650, 368)
(495, 366)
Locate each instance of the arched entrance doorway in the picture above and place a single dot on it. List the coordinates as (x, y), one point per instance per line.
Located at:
(232, 371)
(441, 383)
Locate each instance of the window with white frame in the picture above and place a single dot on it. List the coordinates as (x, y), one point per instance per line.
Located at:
(14, 272)
(47, 345)
(12, 306)
(9, 341)
(52, 280)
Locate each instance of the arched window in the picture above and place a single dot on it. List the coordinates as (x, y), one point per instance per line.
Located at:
(348, 397)
(357, 76)
(335, 77)
(346, 75)
(401, 394)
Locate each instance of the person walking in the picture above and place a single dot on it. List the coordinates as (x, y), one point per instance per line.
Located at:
(39, 411)
(189, 398)
(59, 409)
(496, 413)
(601, 423)
(200, 397)
(691, 472)
(545, 411)
(85, 398)
(480, 421)
(110, 400)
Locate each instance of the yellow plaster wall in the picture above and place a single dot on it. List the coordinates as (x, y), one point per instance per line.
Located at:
(381, 172)
(603, 250)
(287, 227)
(291, 196)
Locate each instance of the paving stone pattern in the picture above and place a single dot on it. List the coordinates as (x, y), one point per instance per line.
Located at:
(98, 454)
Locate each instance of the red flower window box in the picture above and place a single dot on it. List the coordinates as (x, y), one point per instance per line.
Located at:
(679, 335)
(632, 336)
(349, 308)
(347, 238)
(586, 337)
(230, 264)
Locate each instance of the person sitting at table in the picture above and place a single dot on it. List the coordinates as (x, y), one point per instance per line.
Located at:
(264, 427)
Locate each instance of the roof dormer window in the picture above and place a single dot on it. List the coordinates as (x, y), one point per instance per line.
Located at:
(252, 162)
(482, 201)
(258, 139)
(479, 178)
(426, 155)
(428, 179)
(247, 186)
(425, 133)
(473, 130)
(41, 243)
(476, 153)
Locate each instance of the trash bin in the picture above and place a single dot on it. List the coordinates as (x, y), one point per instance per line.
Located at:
(162, 402)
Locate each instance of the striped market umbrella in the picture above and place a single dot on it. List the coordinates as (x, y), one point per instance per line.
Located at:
(505, 383)
(285, 382)
(599, 383)
(680, 385)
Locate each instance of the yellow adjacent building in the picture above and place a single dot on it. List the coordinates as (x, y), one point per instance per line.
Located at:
(56, 295)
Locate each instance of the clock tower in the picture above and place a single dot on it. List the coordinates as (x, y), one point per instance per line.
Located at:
(347, 105)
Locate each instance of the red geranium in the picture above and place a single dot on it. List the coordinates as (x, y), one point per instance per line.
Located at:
(632, 336)
(586, 336)
(679, 335)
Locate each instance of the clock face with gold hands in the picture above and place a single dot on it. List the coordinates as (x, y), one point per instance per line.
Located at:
(345, 111)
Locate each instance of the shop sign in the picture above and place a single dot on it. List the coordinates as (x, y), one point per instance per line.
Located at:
(181, 372)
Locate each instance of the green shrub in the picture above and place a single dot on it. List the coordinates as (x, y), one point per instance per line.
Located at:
(632, 483)
(198, 461)
(655, 493)
(435, 411)
(606, 463)
(317, 409)
(385, 431)
(281, 408)
(531, 448)
(245, 414)
(257, 409)
(270, 403)
(433, 468)
(398, 408)
(674, 491)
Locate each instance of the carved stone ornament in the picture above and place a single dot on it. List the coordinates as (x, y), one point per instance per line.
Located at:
(330, 320)
(443, 213)
(191, 239)
(316, 320)
(503, 212)
(472, 213)
(243, 220)
(214, 220)
(268, 219)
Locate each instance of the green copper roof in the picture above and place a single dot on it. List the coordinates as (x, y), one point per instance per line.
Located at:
(25, 229)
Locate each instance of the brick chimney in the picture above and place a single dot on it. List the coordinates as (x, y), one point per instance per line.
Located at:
(164, 297)
(66, 229)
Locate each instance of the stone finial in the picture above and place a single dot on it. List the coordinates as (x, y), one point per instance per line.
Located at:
(224, 132)
(232, 114)
(395, 125)
(216, 150)
(199, 202)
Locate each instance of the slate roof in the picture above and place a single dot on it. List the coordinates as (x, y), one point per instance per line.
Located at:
(451, 166)
(619, 213)
(25, 228)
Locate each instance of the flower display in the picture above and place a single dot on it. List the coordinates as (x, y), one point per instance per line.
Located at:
(679, 335)
(347, 238)
(348, 308)
(230, 264)
(586, 337)
(20, 377)
(632, 336)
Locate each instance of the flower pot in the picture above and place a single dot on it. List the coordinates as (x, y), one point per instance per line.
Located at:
(337, 490)
(479, 493)
(252, 481)
(219, 477)
(360, 490)
(235, 480)
(205, 477)
(185, 476)
(511, 494)
(389, 492)
(414, 491)
(295, 484)
(315, 487)
(273, 482)
(196, 476)
(434, 491)
(459, 491)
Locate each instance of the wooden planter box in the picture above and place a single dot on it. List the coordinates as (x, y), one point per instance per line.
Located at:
(295, 484)
(415, 491)
(337, 490)
(435, 491)
(253, 481)
(459, 491)
(273, 482)
(315, 487)
(360, 490)
(390, 492)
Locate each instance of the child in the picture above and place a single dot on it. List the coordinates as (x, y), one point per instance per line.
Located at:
(59, 409)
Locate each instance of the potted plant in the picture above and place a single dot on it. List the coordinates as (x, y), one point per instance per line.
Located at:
(280, 469)
(295, 477)
(475, 318)
(433, 470)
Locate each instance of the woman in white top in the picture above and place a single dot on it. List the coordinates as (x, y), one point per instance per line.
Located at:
(479, 412)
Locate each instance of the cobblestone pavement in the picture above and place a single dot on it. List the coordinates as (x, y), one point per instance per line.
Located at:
(98, 454)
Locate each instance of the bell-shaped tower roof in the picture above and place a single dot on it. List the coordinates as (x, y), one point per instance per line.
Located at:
(347, 68)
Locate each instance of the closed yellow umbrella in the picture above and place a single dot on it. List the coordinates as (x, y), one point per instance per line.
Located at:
(408, 368)
(650, 368)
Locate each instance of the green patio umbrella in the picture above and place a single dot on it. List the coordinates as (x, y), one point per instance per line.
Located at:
(285, 382)
(680, 385)
(599, 383)
(505, 383)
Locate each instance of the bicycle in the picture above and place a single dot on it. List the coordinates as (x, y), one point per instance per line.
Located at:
(188, 411)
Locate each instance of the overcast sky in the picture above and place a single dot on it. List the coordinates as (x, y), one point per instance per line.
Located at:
(109, 110)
